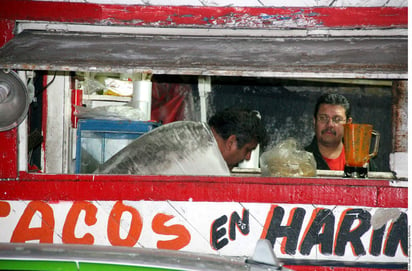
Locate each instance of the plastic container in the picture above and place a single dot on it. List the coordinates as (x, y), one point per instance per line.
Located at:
(98, 140)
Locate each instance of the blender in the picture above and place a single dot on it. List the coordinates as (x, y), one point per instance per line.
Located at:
(357, 141)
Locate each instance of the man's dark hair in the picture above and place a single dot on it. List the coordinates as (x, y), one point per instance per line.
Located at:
(334, 99)
(245, 124)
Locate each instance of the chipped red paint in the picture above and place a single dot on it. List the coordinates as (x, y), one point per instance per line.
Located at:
(215, 17)
(6, 30)
(387, 196)
(351, 192)
(8, 154)
(43, 10)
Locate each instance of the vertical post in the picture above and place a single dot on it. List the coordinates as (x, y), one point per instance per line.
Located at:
(58, 123)
(205, 87)
(23, 129)
(400, 116)
(399, 158)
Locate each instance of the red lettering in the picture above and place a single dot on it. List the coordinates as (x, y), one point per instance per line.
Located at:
(44, 233)
(269, 218)
(183, 235)
(68, 236)
(4, 208)
(113, 225)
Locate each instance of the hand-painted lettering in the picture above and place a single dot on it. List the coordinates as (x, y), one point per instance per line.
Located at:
(240, 223)
(183, 235)
(290, 233)
(347, 235)
(398, 234)
(114, 225)
(376, 241)
(4, 208)
(235, 222)
(217, 232)
(340, 233)
(72, 220)
(352, 226)
(23, 232)
(320, 231)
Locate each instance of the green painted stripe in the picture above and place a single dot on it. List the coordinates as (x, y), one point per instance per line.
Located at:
(50, 265)
(42, 265)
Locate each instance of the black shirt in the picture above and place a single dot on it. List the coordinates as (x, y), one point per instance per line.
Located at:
(320, 162)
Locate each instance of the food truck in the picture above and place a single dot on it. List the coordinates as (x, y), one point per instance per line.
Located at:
(69, 68)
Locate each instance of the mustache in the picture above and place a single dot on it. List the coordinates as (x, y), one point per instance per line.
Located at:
(328, 130)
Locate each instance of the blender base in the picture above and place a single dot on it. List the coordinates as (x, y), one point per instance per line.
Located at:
(355, 172)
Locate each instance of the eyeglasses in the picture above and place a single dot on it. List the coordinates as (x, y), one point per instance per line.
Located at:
(335, 119)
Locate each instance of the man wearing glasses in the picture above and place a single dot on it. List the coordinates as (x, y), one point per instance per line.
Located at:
(331, 112)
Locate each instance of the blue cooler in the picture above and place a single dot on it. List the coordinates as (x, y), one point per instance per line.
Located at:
(98, 140)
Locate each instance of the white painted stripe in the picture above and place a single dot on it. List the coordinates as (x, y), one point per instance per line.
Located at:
(62, 27)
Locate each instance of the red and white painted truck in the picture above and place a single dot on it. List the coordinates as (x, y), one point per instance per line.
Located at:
(326, 222)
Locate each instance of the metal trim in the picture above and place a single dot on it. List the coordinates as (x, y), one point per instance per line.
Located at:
(61, 49)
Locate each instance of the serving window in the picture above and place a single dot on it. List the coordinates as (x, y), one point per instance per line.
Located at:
(193, 76)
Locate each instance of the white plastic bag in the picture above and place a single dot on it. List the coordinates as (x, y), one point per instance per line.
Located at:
(114, 112)
(176, 148)
(285, 160)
